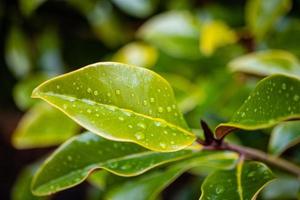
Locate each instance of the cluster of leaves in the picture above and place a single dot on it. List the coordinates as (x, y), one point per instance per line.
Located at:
(142, 128)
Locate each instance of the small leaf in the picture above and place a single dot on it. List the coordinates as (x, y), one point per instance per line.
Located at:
(137, 8)
(215, 34)
(241, 183)
(81, 155)
(43, 126)
(137, 53)
(139, 101)
(262, 15)
(23, 89)
(275, 99)
(21, 188)
(149, 185)
(266, 63)
(17, 53)
(284, 136)
(176, 33)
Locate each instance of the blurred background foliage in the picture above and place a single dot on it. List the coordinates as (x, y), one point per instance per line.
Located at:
(212, 52)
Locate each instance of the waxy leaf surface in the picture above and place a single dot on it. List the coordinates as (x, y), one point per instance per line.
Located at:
(43, 126)
(242, 183)
(283, 136)
(71, 164)
(275, 99)
(266, 63)
(148, 186)
(120, 102)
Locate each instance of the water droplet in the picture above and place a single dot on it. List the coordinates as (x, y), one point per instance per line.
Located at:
(169, 109)
(113, 165)
(118, 92)
(158, 90)
(165, 132)
(160, 109)
(89, 90)
(127, 113)
(251, 174)
(95, 92)
(296, 97)
(243, 114)
(219, 189)
(132, 94)
(176, 114)
(108, 94)
(130, 126)
(89, 111)
(69, 158)
(57, 86)
(152, 100)
(283, 86)
(157, 123)
(139, 135)
(172, 142)
(121, 118)
(162, 145)
(65, 106)
(141, 125)
(145, 102)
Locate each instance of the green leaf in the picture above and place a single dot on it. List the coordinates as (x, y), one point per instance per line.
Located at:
(81, 155)
(28, 6)
(176, 33)
(241, 183)
(21, 188)
(139, 101)
(43, 126)
(262, 15)
(137, 8)
(17, 53)
(23, 89)
(284, 136)
(266, 63)
(149, 185)
(275, 99)
(137, 53)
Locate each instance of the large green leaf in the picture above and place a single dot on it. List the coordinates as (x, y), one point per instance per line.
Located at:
(266, 63)
(176, 33)
(82, 154)
(120, 102)
(43, 126)
(242, 183)
(262, 15)
(283, 136)
(275, 99)
(149, 185)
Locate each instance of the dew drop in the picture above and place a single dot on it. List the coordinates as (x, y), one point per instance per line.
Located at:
(251, 174)
(160, 109)
(152, 100)
(243, 114)
(57, 86)
(95, 92)
(157, 123)
(130, 126)
(296, 97)
(283, 86)
(89, 90)
(173, 106)
(108, 94)
(65, 106)
(219, 189)
(162, 145)
(165, 132)
(139, 135)
(69, 158)
(169, 109)
(118, 92)
(141, 125)
(145, 102)
(158, 90)
(89, 111)
(121, 118)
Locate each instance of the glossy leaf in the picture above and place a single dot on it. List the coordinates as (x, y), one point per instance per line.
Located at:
(176, 33)
(21, 188)
(243, 182)
(139, 101)
(149, 185)
(215, 34)
(43, 126)
(275, 99)
(284, 136)
(262, 15)
(78, 157)
(137, 53)
(28, 6)
(23, 89)
(17, 53)
(266, 63)
(137, 8)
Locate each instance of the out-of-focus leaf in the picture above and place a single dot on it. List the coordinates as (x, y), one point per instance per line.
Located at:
(23, 89)
(262, 15)
(266, 63)
(98, 179)
(137, 8)
(29, 6)
(284, 136)
(275, 99)
(282, 188)
(188, 95)
(17, 53)
(137, 53)
(102, 95)
(50, 58)
(241, 183)
(21, 188)
(148, 186)
(78, 157)
(43, 126)
(215, 34)
(174, 32)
